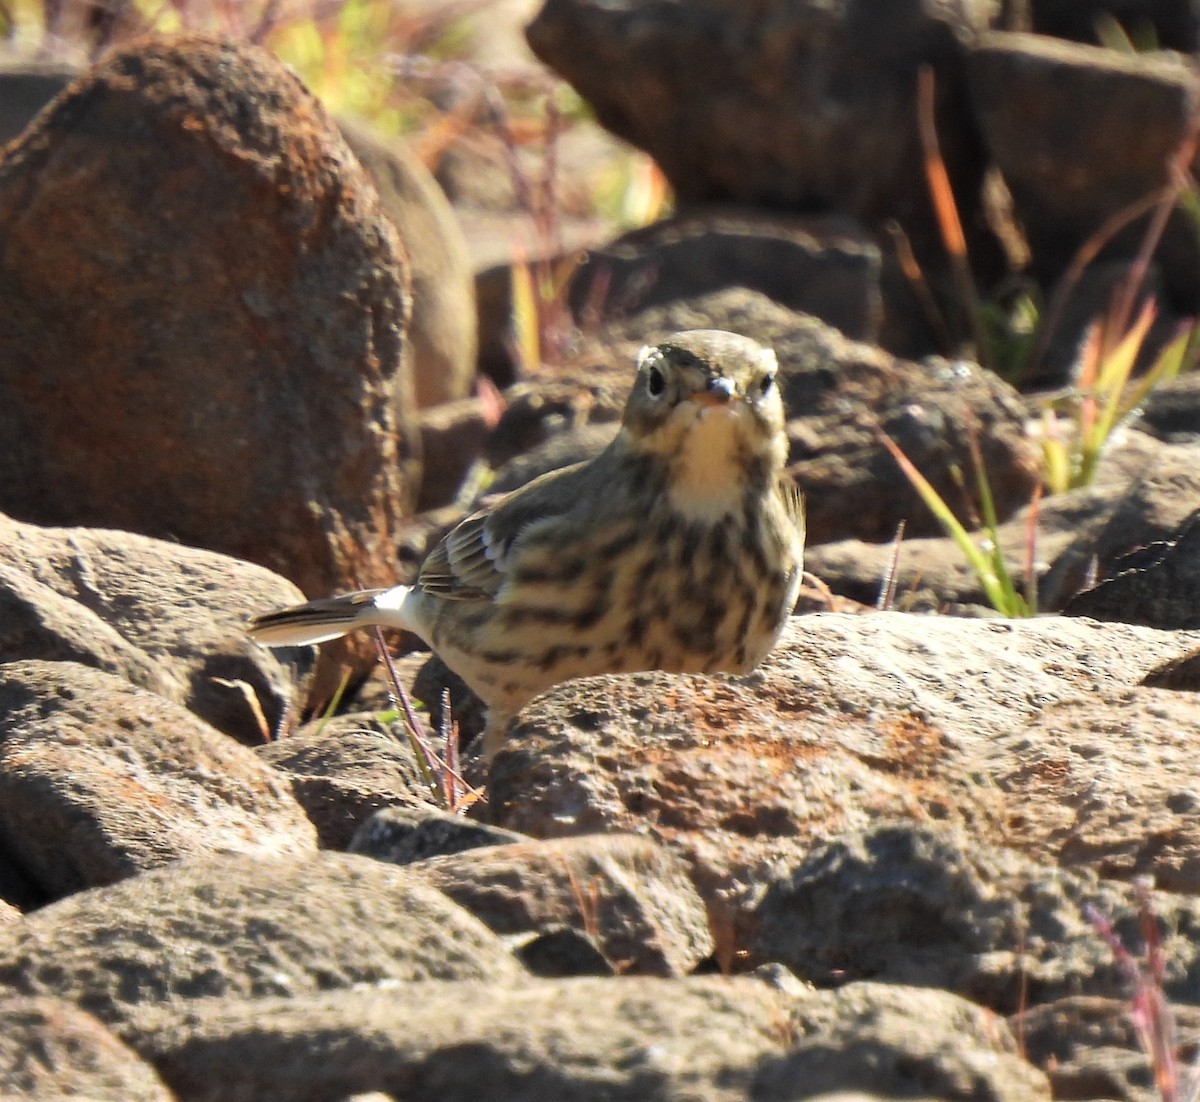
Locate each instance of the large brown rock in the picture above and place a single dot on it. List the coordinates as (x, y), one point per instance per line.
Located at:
(1080, 133)
(798, 104)
(203, 334)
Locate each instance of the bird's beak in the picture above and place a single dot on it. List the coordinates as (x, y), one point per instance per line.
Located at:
(719, 392)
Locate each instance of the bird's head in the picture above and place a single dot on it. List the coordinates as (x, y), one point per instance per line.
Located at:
(711, 384)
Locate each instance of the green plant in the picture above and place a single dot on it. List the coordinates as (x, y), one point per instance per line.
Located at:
(982, 549)
(1077, 426)
(437, 756)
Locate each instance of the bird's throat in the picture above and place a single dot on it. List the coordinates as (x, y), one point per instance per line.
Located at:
(708, 472)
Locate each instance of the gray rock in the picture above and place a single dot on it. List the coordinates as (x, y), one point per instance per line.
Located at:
(38, 623)
(182, 609)
(443, 282)
(345, 769)
(49, 1048)
(1157, 585)
(247, 927)
(632, 898)
(857, 719)
(802, 106)
(1081, 133)
(404, 835)
(633, 1039)
(828, 267)
(99, 779)
(926, 905)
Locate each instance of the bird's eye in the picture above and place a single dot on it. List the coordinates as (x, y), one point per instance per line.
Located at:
(656, 382)
(768, 381)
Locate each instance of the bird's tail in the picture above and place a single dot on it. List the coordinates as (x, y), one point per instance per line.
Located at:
(330, 618)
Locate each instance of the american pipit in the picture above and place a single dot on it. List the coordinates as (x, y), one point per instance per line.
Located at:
(677, 548)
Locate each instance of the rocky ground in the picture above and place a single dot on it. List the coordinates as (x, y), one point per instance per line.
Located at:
(234, 370)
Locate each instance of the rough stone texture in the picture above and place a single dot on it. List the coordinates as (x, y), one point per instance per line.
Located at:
(49, 1048)
(925, 904)
(243, 926)
(345, 769)
(404, 835)
(443, 283)
(1054, 749)
(8, 914)
(38, 623)
(1158, 585)
(1172, 411)
(1155, 509)
(824, 266)
(634, 1039)
(802, 105)
(560, 951)
(99, 779)
(631, 897)
(183, 609)
(1089, 1046)
(240, 385)
(1080, 133)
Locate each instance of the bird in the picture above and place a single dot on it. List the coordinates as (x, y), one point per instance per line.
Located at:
(679, 547)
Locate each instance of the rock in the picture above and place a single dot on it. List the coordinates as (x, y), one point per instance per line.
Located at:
(1158, 585)
(932, 575)
(99, 779)
(241, 386)
(17, 892)
(249, 927)
(802, 106)
(26, 86)
(632, 898)
(826, 266)
(405, 835)
(180, 611)
(8, 914)
(632, 1039)
(452, 441)
(561, 450)
(1081, 133)
(344, 769)
(1173, 23)
(36, 622)
(892, 1041)
(1172, 411)
(1155, 508)
(1089, 1046)
(49, 1048)
(1051, 748)
(558, 951)
(924, 904)
(442, 331)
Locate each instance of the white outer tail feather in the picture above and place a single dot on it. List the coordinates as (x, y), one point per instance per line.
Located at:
(333, 617)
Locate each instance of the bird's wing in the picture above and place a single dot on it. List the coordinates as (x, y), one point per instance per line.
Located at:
(793, 502)
(472, 561)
